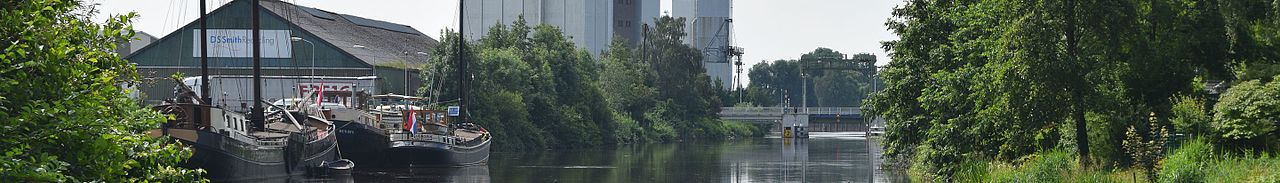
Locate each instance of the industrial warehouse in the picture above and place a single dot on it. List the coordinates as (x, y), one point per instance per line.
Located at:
(298, 43)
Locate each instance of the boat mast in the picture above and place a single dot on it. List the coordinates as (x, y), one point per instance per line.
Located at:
(258, 117)
(462, 64)
(204, 57)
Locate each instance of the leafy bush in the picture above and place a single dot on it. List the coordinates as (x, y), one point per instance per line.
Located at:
(660, 122)
(933, 162)
(626, 130)
(511, 120)
(1189, 116)
(64, 115)
(739, 129)
(1247, 111)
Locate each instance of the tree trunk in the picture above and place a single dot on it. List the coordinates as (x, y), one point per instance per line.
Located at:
(1082, 135)
(1077, 86)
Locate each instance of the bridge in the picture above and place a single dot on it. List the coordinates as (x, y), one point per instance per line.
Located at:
(773, 114)
(819, 118)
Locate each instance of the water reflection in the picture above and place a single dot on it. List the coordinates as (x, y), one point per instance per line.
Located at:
(478, 173)
(829, 157)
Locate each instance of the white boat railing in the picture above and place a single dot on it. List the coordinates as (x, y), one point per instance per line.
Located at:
(423, 137)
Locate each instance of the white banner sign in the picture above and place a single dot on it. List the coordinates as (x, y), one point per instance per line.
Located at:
(307, 88)
(235, 43)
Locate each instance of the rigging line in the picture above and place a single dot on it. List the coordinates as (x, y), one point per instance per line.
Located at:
(292, 17)
(181, 11)
(182, 14)
(167, 12)
(439, 76)
(430, 79)
(288, 15)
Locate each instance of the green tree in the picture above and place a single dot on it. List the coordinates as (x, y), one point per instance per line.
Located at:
(771, 82)
(625, 79)
(832, 81)
(1013, 73)
(678, 75)
(63, 108)
(841, 86)
(922, 30)
(1248, 112)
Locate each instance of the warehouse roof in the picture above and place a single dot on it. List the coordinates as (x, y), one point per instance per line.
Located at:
(373, 41)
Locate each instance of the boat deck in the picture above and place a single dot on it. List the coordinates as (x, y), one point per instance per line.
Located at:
(288, 127)
(466, 135)
(268, 135)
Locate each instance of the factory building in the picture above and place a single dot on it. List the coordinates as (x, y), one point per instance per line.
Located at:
(709, 24)
(590, 24)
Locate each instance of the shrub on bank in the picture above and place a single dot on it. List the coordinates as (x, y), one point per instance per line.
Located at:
(1247, 113)
(1189, 116)
(65, 114)
(626, 130)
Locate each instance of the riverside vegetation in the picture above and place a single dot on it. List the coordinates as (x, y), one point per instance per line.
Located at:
(534, 89)
(1083, 91)
(64, 116)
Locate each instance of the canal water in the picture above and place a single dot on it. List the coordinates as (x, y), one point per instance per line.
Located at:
(825, 157)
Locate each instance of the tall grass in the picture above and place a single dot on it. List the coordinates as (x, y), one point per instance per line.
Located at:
(1197, 161)
(1249, 168)
(1189, 163)
(1052, 166)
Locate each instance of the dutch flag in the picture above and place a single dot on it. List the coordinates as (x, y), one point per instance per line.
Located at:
(412, 123)
(320, 96)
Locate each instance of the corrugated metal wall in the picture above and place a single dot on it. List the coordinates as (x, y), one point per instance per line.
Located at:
(173, 54)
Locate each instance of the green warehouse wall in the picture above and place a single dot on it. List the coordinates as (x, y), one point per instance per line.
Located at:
(174, 53)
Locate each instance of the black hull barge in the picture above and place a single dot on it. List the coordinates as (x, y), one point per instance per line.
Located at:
(383, 137)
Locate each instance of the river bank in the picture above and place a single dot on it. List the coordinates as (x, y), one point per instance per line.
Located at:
(1194, 161)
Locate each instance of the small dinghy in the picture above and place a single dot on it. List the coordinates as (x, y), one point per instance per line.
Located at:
(333, 167)
(341, 166)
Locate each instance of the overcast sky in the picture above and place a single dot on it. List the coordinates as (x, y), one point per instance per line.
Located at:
(766, 29)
